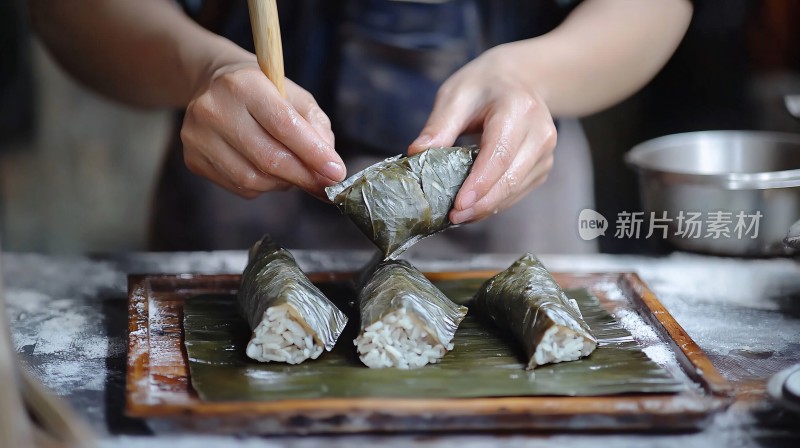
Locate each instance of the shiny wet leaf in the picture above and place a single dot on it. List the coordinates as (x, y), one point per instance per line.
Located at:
(483, 363)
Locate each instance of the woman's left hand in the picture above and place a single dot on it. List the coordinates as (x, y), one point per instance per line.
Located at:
(489, 95)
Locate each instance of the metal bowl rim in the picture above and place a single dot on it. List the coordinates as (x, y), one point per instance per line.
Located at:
(732, 181)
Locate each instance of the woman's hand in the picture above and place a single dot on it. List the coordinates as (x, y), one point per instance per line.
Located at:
(603, 52)
(518, 135)
(242, 135)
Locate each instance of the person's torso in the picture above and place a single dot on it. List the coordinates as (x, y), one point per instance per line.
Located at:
(375, 65)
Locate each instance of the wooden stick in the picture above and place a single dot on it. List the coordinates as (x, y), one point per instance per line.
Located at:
(54, 417)
(22, 399)
(15, 427)
(267, 39)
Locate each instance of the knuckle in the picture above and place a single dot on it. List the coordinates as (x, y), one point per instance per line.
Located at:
(187, 137)
(271, 161)
(454, 91)
(522, 103)
(502, 154)
(511, 179)
(445, 91)
(548, 164)
(509, 183)
(250, 180)
(319, 116)
(202, 109)
(226, 171)
(191, 162)
(281, 186)
(550, 136)
(233, 81)
(306, 97)
(541, 180)
(283, 122)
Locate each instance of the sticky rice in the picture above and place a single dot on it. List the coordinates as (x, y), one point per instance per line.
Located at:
(280, 337)
(291, 319)
(406, 322)
(526, 301)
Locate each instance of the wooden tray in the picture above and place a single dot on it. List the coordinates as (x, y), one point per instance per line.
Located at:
(158, 386)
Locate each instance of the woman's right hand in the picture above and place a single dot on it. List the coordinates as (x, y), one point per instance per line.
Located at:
(242, 135)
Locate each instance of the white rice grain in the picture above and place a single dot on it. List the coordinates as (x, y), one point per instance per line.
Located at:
(561, 344)
(396, 341)
(279, 337)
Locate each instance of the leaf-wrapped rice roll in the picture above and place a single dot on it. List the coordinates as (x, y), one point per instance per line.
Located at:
(401, 200)
(526, 300)
(290, 318)
(406, 322)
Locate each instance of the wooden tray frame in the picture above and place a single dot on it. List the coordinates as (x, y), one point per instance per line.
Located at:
(158, 386)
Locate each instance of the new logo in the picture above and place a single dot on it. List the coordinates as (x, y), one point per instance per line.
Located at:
(591, 224)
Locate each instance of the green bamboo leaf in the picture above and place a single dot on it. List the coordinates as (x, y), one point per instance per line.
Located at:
(526, 300)
(401, 200)
(291, 319)
(484, 363)
(406, 321)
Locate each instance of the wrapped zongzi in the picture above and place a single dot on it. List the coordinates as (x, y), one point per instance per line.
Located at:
(526, 300)
(403, 199)
(290, 318)
(406, 322)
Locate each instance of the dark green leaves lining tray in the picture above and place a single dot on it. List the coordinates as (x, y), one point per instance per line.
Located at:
(484, 363)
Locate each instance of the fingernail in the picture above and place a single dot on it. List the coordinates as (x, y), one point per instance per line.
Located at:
(468, 200)
(333, 171)
(462, 216)
(422, 140)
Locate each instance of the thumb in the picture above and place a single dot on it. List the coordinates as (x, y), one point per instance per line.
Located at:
(450, 116)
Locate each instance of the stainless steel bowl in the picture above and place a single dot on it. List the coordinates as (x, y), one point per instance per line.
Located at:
(722, 174)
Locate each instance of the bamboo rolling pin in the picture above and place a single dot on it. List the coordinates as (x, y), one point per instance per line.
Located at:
(267, 39)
